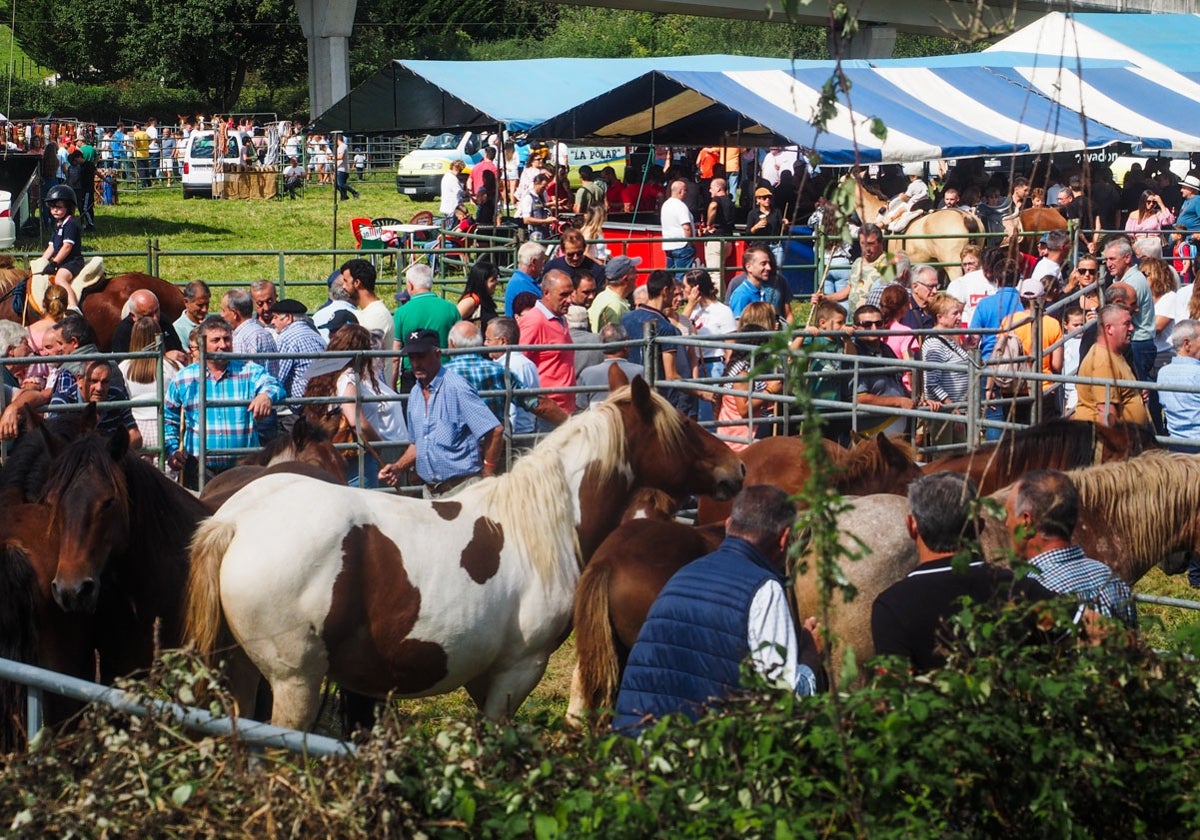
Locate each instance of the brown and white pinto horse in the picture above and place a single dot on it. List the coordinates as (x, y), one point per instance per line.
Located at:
(384, 593)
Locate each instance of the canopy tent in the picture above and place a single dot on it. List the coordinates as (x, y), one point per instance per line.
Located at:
(420, 96)
(962, 110)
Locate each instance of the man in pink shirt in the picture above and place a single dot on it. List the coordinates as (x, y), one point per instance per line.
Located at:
(545, 323)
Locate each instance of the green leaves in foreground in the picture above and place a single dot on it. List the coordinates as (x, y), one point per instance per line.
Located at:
(1013, 739)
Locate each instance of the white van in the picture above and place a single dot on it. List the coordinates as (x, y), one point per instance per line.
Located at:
(197, 158)
(420, 172)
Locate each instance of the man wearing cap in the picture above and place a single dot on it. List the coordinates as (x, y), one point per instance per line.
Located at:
(678, 227)
(337, 304)
(620, 278)
(456, 438)
(295, 338)
(226, 427)
(1049, 268)
(1020, 324)
(1189, 210)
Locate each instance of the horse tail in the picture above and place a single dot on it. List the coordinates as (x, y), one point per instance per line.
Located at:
(203, 619)
(18, 638)
(595, 648)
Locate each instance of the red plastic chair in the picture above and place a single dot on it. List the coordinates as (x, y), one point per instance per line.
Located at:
(356, 225)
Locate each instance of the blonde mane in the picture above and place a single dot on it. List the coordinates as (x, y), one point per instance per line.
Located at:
(534, 501)
(1144, 498)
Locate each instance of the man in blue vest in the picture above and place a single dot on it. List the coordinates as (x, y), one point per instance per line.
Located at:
(714, 614)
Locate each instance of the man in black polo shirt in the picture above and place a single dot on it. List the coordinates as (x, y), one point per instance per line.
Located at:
(910, 618)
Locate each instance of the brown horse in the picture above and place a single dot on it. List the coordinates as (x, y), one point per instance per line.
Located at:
(124, 531)
(874, 465)
(1053, 445)
(306, 451)
(102, 304)
(1038, 220)
(952, 227)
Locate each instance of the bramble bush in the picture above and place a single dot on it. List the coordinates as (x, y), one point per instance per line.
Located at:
(1010, 739)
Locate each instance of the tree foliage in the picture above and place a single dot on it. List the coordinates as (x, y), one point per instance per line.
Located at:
(204, 45)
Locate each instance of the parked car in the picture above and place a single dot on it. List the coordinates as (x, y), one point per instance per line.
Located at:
(198, 154)
(420, 172)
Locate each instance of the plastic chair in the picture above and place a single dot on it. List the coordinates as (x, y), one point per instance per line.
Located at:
(356, 225)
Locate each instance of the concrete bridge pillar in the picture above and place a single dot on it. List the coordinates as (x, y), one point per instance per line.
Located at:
(871, 41)
(327, 25)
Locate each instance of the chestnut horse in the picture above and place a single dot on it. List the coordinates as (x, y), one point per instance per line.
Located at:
(1038, 220)
(102, 304)
(383, 593)
(306, 451)
(1053, 445)
(874, 465)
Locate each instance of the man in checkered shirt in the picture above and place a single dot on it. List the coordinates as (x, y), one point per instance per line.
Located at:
(1043, 508)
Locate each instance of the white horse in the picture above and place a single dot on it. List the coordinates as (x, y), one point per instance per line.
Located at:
(384, 593)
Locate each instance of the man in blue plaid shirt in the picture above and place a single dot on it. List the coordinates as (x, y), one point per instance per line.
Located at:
(226, 427)
(1043, 508)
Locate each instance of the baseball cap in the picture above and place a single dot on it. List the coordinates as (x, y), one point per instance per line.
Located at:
(419, 342)
(763, 192)
(1030, 289)
(620, 266)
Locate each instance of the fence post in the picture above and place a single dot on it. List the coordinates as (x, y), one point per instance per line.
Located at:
(974, 397)
(151, 263)
(282, 274)
(649, 357)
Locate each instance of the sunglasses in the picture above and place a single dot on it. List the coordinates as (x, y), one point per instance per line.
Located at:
(1086, 270)
(867, 325)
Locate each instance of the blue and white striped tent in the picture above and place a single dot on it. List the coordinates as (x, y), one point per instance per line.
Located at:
(935, 109)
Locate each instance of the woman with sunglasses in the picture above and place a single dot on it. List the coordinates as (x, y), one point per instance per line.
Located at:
(1085, 274)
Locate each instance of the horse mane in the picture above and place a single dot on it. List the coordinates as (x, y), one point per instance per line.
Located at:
(283, 446)
(539, 482)
(1144, 498)
(1071, 443)
(28, 466)
(865, 458)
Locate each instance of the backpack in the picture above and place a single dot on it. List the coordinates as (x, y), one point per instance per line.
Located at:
(1004, 365)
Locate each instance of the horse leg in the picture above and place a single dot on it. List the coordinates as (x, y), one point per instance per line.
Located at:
(576, 705)
(297, 698)
(500, 694)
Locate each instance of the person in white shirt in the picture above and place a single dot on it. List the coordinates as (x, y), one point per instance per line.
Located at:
(678, 227)
(973, 285)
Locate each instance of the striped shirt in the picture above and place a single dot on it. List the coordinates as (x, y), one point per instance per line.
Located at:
(227, 427)
(950, 383)
(297, 338)
(1070, 572)
(484, 374)
(251, 338)
(446, 419)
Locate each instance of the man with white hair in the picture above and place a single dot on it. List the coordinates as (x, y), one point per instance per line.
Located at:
(530, 258)
(1182, 409)
(424, 311)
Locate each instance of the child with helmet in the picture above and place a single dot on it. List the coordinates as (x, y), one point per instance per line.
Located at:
(905, 207)
(64, 254)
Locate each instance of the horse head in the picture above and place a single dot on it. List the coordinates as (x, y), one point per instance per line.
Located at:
(88, 495)
(672, 452)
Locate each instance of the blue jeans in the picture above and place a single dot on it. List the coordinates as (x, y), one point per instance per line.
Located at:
(714, 369)
(343, 185)
(837, 275)
(681, 258)
(370, 473)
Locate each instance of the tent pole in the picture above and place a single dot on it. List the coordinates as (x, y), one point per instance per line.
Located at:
(334, 137)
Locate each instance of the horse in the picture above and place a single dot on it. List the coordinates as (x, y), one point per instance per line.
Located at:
(123, 533)
(876, 464)
(383, 593)
(1132, 515)
(102, 304)
(954, 228)
(1038, 220)
(306, 451)
(1053, 445)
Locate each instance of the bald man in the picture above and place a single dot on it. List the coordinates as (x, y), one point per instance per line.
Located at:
(144, 304)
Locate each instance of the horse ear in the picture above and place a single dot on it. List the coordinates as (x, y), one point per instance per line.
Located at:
(616, 378)
(891, 453)
(301, 432)
(89, 419)
(639, 393)
(118, 443)
(35, 423)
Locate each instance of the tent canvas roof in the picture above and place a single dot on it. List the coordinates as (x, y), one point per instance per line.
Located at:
(962, 110)
(421, 96)
(1164, 41)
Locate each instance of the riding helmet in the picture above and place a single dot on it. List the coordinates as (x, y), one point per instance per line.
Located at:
(61, 192)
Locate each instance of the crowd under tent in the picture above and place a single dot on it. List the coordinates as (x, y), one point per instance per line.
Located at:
(944, 109)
